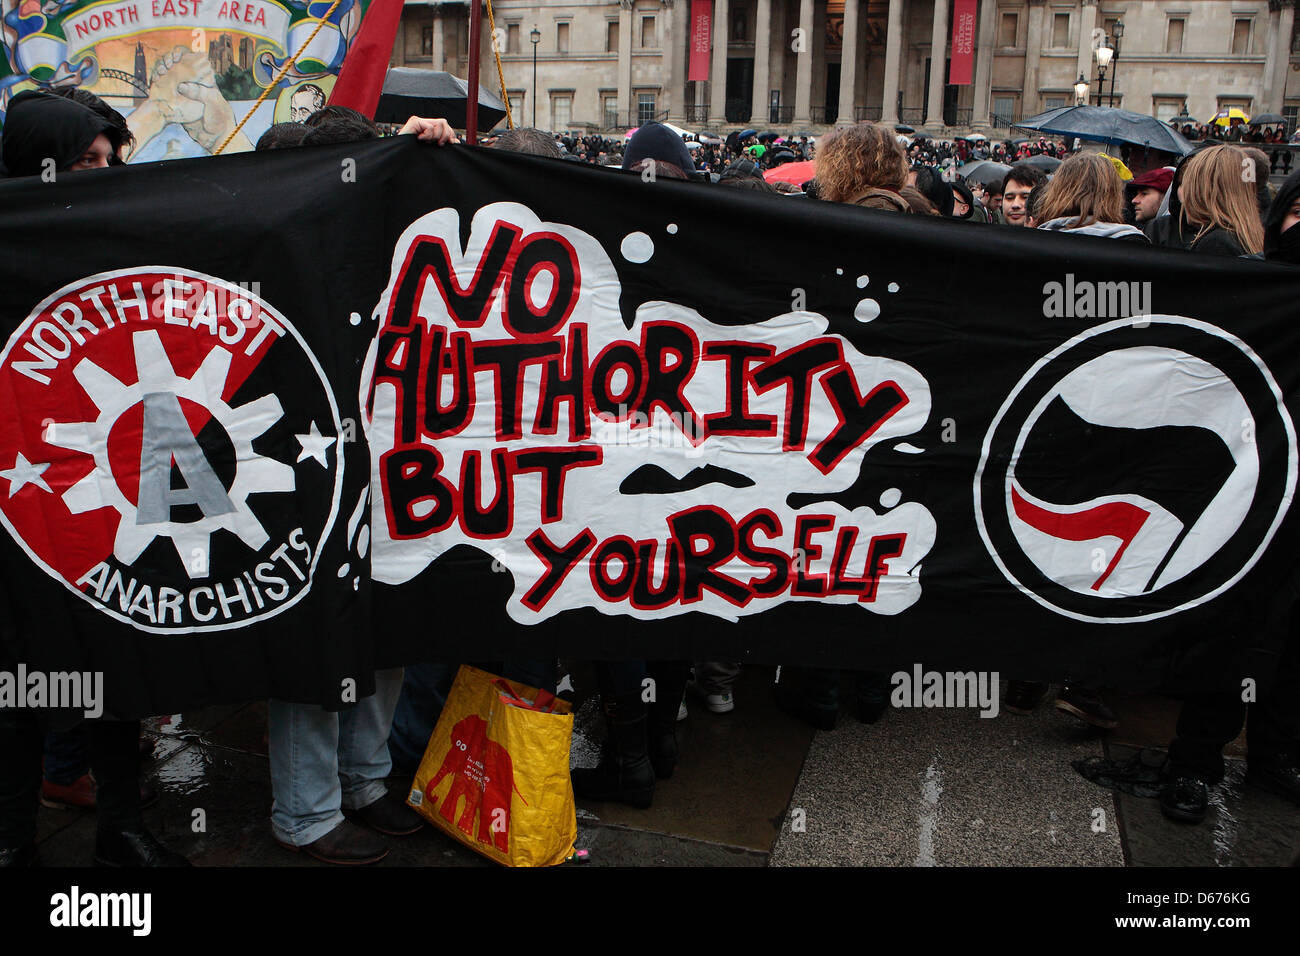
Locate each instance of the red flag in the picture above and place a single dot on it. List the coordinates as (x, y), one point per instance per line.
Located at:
(362, 77)
(963, 43)
(701, 39)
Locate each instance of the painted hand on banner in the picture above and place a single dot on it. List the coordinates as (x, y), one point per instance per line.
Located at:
(183, 89)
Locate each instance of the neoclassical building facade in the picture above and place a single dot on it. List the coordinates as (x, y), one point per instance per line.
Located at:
(810, 64)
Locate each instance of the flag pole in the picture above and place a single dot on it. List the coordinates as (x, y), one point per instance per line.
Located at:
(471, 104)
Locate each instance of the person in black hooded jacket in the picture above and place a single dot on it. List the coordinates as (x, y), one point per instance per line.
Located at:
(45, 133)
(1281, 238)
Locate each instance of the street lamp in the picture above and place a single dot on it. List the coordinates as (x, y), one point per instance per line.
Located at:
(1080, 91)
(1103, 54)
(536, 37)
(1117, 33)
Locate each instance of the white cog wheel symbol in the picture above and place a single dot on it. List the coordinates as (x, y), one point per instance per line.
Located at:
(99, 489)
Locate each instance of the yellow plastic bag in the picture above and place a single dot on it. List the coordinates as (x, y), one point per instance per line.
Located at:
(495, 775)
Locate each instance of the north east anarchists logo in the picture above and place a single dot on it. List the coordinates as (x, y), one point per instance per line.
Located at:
(170, 449)
(1138, 470)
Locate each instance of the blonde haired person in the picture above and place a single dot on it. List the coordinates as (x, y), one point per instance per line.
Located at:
(864, 165)
(1085, 197)
(1219, 208)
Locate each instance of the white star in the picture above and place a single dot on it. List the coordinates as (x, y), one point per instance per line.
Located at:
(315, 445)
(25, 473)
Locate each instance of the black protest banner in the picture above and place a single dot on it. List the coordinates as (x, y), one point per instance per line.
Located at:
(608, 417)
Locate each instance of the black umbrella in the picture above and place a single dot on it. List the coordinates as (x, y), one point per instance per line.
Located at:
(409, 92)
(1105, 124)
(768, 137)
(1266, 119)
(746, 133)
(1042, 161)
(984, 172)
(921, 136)
(903, 128)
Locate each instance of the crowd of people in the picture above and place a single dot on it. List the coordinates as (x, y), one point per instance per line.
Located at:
(328, 769)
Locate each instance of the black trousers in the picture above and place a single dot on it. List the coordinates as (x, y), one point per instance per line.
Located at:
(114, 762)
(1209, 722)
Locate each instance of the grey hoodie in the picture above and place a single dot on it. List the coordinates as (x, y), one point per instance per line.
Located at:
(1106, 230)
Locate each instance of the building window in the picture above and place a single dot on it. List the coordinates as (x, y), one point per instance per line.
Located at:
(645, 108)
(609, 106)
(1167, 107)
(561, 111)
(1292, 113)
(740, 24)
(512, 38)
(517, 106)
(426, 41)
(1008, 29)
(561, 38)
(1004, 110)
(1174, 35)
(1241, 36)
(648, 40)
(611, 37)
(1053, 102)
(1060, 30)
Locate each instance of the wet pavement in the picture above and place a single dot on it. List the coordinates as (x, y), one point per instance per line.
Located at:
(924, 787)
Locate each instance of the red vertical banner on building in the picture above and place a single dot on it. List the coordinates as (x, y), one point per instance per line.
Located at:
(701, 39)
(963, 43)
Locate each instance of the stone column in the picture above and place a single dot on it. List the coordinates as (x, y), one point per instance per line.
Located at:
(718, 73)
(1033, 52)
(439, 56)
(938, 51)
(675, 50)
(984, 64)
(625, 61)
(1285, 27)
(758, 115)
(1087, 23)
(893, 53)
(849, 63)
(1281, 20)
(803, 66)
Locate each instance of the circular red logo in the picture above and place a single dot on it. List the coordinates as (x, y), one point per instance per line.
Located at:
(171, 449)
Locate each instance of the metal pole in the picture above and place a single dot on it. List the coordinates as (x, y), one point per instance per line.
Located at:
(534, 84)
(471, 105)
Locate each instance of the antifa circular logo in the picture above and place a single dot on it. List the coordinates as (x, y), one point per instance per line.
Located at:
(169, 449)
(1138, 470)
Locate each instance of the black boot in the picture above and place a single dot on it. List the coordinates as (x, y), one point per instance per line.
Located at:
(625, 774)
(670, 679)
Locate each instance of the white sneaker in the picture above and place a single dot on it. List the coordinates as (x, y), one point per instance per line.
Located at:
(720, 703)
(681, 710)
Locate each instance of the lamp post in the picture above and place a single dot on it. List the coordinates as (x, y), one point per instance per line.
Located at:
(1080, 91)
(1117, 33)
(536, 37)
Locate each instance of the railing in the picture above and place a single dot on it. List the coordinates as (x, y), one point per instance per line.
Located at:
(821, 116)
(697, 114)
(1003, 120)
(912, 115)
(867, 114)
(780, 115)
(958, 117)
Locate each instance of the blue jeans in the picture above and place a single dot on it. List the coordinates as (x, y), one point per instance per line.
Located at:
(323, 761)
